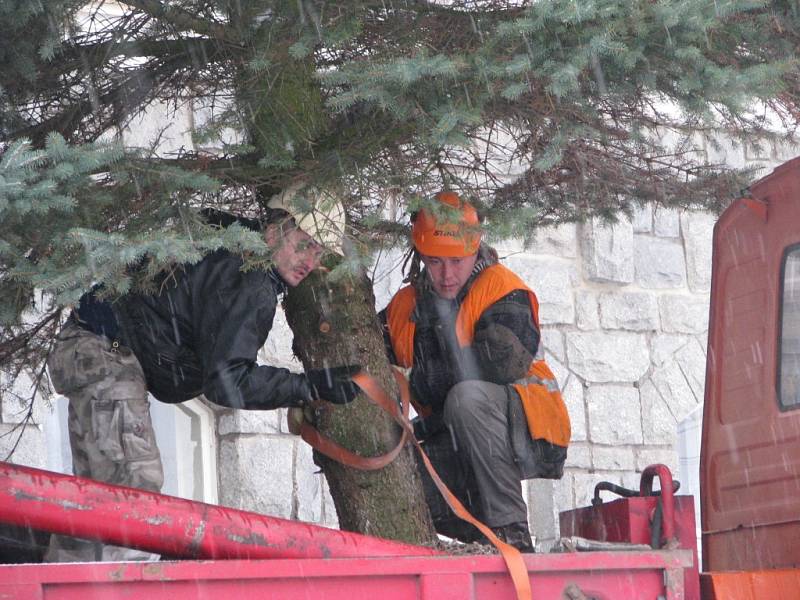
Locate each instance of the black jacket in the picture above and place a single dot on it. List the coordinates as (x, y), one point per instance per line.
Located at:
(201, 332)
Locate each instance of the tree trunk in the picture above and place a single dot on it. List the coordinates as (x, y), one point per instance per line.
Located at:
(334, 323)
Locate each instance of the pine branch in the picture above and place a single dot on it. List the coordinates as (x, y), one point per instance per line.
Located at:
(185, 21)
(77, 59)
(242, 169)
(91, 55)
(13, 343)
(124, 100)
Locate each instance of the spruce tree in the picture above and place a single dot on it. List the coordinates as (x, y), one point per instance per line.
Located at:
(598, 105)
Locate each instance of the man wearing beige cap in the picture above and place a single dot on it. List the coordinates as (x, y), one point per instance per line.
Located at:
(199, 334)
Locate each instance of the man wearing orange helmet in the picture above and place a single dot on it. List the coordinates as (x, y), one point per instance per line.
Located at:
(490, 411)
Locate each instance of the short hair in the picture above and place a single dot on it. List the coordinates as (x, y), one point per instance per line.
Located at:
(277, 216)
(271, 216)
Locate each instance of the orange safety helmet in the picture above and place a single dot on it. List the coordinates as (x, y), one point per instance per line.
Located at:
(451, 239)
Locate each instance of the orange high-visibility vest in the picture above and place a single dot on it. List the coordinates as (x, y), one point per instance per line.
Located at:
(544, 407)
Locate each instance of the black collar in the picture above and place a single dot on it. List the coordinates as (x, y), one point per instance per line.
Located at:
(278, 283)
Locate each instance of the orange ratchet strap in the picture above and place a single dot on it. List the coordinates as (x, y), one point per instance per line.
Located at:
(376, 394)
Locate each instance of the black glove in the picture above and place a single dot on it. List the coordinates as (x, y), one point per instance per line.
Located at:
(426, 427)
(502, 356)
(334, 384)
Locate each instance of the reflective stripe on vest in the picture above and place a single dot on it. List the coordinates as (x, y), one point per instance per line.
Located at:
(550, 384)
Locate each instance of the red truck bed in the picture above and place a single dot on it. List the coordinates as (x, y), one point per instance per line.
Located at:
(600, 575)
(246, 555)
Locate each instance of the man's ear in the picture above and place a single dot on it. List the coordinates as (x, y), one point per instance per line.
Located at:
(272, 235)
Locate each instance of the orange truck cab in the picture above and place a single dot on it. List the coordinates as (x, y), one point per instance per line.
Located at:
(750, 456)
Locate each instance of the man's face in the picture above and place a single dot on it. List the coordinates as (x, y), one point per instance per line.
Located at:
(295, 254)
(449, 274)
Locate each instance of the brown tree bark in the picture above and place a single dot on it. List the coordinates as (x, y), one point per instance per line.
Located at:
(334, 323)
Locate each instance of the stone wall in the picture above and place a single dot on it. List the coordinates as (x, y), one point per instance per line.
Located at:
(624, 314)
(623, 310)
(22, 436)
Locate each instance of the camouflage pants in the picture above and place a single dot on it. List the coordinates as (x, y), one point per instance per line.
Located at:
(110, 431)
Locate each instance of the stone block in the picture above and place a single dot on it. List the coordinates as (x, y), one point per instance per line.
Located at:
(666, 222)
(564, 492)
(559, 240)
(658, 423)
(15, 408)
(642, 220)
(757, 151)
(603, 357)
(171, 128)
(31, 445)
(721, 149)
(553, 341)
(557, 367)
(607, 251)
(692, 361)
(504, 165)
(579, 456)
(542, 511)
(783, 150)
(256, 473)
(657, 456)
(635, 311)
(572, 392)
(614, 414)
(552, 282)
(250, 421)
(660, 263)
(308, 485)
(681, 143)
(675, 390)
(684, 313)
(584, 486)
(387, 275)
(664, 346)
(277, 351)
(587, 316)
(16, 399)
(606, 458)
(329, 516)
(283, 423)
(56, 433)
(202, 111)
(564, 499)
(698, 239)
(631, 480)
(525, 496)
(510, 245)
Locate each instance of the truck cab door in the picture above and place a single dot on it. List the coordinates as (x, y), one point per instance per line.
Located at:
(750, 457)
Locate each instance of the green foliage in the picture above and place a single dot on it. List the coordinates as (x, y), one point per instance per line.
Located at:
(520, 224)
(73, 216)
(596, 102)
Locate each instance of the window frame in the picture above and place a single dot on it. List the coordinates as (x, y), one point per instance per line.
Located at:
(787, 252)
